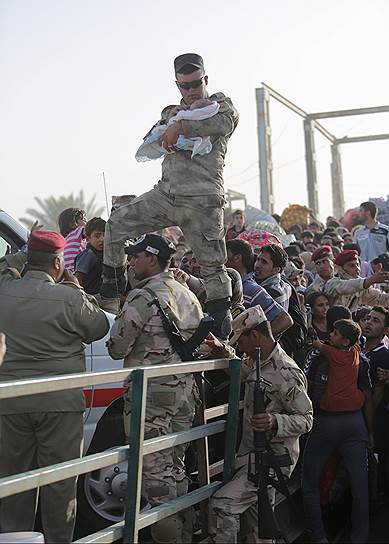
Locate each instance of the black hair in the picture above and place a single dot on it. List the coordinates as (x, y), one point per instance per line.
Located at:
(243, 248)
(307, 233)
(292, 251)
(360, 314)
(384, 312)
(349, 330)
(300, 244)
(298, 262)
(313, 297)
(67, 218)
(238, 212)
(370, 207)
(277, 254)
(329, 230)
(95, 224)
(163, 261)
(334, 314)
(355, 247)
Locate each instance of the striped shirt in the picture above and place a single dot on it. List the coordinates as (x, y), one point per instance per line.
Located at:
(279, 289)
(75, 243)
(254, 294)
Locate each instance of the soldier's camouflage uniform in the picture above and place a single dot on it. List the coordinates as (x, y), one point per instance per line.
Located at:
(288, 400)
(316, 286)
(138, 336)
(190, 194)
(345, 290)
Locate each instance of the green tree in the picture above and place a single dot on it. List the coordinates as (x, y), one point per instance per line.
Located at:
(50, 208)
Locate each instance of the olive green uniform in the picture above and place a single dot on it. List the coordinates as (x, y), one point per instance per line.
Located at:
(46, 325)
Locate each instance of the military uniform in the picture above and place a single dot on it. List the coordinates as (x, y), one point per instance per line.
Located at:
(316, 286)
(190, 194)
(138, 336)
(287, 399)
(344, 290)
(46, 324)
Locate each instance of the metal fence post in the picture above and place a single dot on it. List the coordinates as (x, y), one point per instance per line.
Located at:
(232, 420)
(310, 158)
(264, 150)
(135, 459)
(337, 182)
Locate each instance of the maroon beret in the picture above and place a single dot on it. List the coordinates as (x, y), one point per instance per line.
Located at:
(346, 256)
(46, 242)
(321, 252)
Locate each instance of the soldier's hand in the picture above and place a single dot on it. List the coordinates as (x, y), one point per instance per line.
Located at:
(180, 275)
(382, 374)
(3, 347)
(170, 137)
(35, 226)
(69, 276)
(263, 422)
(174, 111)
(379, 277)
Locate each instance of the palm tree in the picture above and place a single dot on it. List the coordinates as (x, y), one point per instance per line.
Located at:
(52, 206)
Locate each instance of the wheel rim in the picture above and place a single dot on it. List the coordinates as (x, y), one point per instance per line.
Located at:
(105, 490)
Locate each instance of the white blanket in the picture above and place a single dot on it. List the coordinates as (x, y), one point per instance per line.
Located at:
(150, 149)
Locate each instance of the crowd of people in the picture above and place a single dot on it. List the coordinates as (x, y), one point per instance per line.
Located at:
(317, 309)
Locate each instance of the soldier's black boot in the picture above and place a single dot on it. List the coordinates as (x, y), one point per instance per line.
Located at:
(219, 309)
(114, 284)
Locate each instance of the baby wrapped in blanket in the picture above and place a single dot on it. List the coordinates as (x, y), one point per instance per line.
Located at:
(199, 110)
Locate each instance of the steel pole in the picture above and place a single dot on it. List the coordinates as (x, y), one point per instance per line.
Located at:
(337, 182)
(264, 150)
(310, 159)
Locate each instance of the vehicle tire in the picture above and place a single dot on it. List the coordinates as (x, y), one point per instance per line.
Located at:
(101, 493)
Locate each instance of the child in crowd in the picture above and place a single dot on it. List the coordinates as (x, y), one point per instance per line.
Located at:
(88, 265)
(71, 224)
(342, 353)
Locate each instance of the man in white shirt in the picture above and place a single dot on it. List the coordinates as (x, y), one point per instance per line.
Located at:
(373, 237)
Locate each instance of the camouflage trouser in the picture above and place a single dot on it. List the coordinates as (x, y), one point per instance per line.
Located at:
(234, 499)
(170, 407)
(201, 219)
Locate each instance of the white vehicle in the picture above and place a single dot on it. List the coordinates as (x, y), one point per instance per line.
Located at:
(100, 493)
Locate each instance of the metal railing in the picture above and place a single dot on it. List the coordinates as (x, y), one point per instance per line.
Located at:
(134, 520)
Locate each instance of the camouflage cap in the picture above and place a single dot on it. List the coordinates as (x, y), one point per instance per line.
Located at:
(154, 244)
(246, 321)
(187, 58)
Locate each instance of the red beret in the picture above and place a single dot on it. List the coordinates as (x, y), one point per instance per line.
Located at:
(45, 241)
(321, 252)
(346, 256)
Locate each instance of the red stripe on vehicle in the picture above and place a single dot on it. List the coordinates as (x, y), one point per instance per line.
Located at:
(102, 397)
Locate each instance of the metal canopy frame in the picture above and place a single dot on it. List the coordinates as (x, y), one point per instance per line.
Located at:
(310, 124)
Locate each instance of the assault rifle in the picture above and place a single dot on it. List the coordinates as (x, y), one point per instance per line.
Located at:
(267, 465)
(186, 349)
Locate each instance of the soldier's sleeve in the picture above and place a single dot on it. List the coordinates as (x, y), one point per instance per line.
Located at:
(337, 286)
(375, 297)
(128, 327)
(297, 416)
(221, 124)
(91, 322)
(13, 262)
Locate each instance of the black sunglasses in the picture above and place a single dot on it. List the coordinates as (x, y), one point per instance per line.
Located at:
(186, 85)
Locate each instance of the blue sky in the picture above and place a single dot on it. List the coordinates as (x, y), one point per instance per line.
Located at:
(83, 81)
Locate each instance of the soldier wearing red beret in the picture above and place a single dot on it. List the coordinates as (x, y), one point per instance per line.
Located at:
(324, 263)
(46, 324)
(349, 289)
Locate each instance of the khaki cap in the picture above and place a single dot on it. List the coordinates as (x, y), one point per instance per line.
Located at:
(246, 321)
